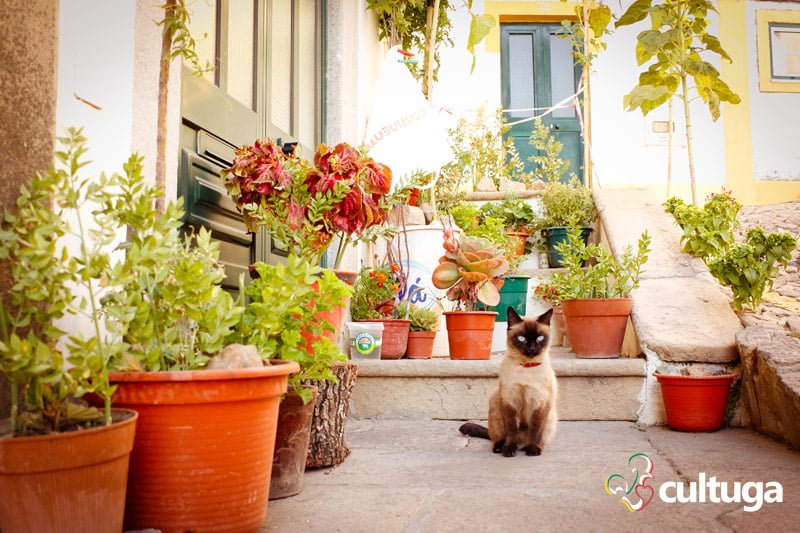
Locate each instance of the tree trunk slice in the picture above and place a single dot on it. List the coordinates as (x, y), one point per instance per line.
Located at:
(327, 447)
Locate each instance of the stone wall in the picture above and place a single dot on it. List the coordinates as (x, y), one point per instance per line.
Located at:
(28, 73)
(771, 381)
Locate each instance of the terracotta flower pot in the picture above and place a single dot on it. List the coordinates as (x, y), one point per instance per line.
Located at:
(519, 239)
(395, 337)
(695, 403)
(420, 344)
(291, 445)
(203, 451)
(596, 326)
(469, 333)
(72, 481)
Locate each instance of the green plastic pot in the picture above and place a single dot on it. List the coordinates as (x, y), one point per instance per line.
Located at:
(556, 235)
(513, 293)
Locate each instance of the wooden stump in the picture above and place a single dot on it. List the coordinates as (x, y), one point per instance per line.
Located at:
(327, 446)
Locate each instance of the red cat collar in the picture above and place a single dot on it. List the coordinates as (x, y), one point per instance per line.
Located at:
(529, 364)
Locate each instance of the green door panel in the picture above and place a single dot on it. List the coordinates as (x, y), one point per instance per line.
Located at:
(538, 70)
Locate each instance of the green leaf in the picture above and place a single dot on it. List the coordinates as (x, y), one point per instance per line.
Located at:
(636, 12)
(479, 28)
(599, 18)
(646, 98)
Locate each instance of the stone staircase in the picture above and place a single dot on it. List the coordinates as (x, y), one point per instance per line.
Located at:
(680, 318)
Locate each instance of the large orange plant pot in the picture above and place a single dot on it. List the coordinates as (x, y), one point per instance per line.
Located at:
(695, 403)
(66, 482)
(596, 327)
(203, 452)
(469, 333)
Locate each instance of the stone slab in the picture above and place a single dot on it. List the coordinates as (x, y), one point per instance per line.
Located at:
(771, 382)
(419, 476)
(680, 312)
(685, 320)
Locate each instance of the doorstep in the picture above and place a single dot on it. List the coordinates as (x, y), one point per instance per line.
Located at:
(441, 388)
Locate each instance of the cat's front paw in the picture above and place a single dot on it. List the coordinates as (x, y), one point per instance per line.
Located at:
(509, 450)
(498, 446)
(533, 449)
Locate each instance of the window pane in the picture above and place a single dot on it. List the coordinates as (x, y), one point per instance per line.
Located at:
(280, 65)
(203, 28)
(785, 51)
(240, 71)
(520, 74)
(562, 73)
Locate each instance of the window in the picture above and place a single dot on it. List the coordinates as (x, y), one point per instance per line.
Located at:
(778, 50)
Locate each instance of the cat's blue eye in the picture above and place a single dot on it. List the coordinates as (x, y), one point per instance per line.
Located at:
(540, 338)
(521, 338)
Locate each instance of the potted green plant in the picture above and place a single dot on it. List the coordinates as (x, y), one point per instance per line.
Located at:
(471, 271)
(279, 319)
(52, 434)
(564, 205)
(172, 313)
(595, 299)
(519, 220)
(424, 323)
(374, 300)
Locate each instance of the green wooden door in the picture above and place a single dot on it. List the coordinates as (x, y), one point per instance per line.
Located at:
(538, 71)
(265, 82)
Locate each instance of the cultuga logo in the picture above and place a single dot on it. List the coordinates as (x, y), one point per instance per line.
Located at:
(635, 494)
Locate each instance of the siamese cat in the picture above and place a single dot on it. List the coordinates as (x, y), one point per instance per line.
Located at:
(522, 411)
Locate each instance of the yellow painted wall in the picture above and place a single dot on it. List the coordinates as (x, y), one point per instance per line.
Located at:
(736, 118)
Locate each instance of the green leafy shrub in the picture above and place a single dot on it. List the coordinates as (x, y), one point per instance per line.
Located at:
(607, 277)
(374, 288)
(550, 167)
(282, 318)
(748, 268)
(564, 204)
(516, 214)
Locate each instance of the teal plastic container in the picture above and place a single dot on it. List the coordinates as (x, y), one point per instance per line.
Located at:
(513, 293)
(556, 235)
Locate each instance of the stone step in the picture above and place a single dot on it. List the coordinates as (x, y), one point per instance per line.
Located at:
(441, 388)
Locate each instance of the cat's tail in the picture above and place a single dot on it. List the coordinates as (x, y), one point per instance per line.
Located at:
(470, 429)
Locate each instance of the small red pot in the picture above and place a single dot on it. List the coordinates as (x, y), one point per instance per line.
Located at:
(596, 326)
(395, 337)
(420, 344)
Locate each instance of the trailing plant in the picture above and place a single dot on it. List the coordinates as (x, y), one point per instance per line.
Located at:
(471, 271)
(375, 292)
(674, 46)
(606, 276)
(49, 367)
(517, 215)
(748, 268)
(422, 319)
(567, 203)
(281, 318)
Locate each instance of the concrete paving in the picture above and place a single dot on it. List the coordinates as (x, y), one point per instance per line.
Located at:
(424, 476)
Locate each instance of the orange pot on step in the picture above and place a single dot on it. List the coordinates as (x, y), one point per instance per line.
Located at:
(695, 403)
(596, 326)
(420, 344)
(202, 457)
(469, 333)
(394, 338)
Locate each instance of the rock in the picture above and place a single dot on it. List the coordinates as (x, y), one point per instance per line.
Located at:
(771, 382)
(538, 185)
(236, 356)
(408, 214)
(485, 185)
(793, 323)
(511, 186)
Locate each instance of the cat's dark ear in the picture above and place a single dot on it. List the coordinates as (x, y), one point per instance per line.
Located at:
(513, 317)
(545, 317)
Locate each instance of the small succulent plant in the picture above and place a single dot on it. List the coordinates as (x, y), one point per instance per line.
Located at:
(471, 270)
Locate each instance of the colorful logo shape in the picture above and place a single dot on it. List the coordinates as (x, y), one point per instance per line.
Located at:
(635, 493)
(365, 343)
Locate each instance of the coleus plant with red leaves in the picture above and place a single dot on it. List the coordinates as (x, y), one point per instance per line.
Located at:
(304, 206)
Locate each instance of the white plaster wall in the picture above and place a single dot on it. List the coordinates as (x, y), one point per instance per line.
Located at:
(623, 153)
(774, 117)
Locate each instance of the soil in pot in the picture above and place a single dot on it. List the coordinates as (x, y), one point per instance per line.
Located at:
(291, 445)
(394, 338)
(420, 344)
(64, 482)
(596, 326)
(469, 334)
(695, 403)
(202, 456)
